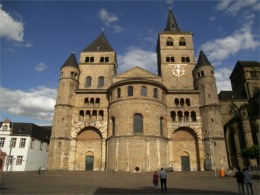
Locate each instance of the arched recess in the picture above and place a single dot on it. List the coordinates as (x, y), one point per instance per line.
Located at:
(89, 148)
(185, 141)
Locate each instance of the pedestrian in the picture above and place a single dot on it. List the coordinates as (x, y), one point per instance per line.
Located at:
(43, 169)
(39, 170)
(163, 179)
(155, 180)
(248, 180)
(240, 180)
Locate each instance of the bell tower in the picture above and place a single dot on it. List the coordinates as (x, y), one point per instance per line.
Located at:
(175, 55)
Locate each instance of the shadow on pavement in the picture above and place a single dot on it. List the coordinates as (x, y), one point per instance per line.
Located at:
(150, 190)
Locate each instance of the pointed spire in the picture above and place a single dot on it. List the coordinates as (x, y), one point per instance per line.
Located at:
(203, 60)
(99, 44)
(71, 61)
(171, 24)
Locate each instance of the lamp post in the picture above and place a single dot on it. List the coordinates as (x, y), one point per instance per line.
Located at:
(212, 150)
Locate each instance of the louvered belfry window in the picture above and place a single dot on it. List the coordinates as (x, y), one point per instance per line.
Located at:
(138, 123)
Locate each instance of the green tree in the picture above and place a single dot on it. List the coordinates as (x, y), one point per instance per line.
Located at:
(252, 152)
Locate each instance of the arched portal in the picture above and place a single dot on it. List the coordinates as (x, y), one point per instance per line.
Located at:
(185, 149)
(89, 149)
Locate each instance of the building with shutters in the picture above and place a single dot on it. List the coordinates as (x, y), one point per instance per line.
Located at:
(137, 120)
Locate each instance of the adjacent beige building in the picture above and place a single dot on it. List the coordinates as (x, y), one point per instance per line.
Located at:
(138, 121)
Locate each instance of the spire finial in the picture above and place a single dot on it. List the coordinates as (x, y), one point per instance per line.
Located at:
(102, 30)
(170, 4)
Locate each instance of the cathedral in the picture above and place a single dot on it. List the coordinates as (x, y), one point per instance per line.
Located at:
(138, 121)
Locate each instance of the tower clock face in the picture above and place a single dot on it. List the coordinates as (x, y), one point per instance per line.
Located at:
(178, 70)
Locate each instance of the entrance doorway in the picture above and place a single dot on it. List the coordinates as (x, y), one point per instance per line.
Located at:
(89, 163)
(185, 163)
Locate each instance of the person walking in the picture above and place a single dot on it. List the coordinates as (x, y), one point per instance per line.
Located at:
(163, 179)
(248, 180)
(155, 180)
(240, 180)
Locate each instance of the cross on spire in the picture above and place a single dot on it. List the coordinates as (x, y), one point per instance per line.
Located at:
(170, 3)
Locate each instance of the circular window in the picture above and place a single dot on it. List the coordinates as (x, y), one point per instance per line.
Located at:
(137, 169)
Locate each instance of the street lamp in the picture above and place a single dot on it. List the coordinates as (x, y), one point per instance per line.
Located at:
(212, 151)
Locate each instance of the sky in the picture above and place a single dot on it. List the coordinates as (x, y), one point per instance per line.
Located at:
(38, 36)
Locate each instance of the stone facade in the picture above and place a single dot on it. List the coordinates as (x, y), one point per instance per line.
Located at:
(138, 121)
(240, 112)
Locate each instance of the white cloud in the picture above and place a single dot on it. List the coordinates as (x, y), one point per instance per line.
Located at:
(221, 48)
(9, 27)
(118, 29)
(222, 79)
(233, 7)
(40, 67)
(106, 17)
(37, 103)
(109, 19)
(137, 57)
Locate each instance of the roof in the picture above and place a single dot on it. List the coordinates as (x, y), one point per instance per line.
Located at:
(226, 95)
(241, 64)
(171, 24)
(71, 61)
(35, 131)
(99, 44)
(203, 60)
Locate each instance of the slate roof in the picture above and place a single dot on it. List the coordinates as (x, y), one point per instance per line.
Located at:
(71, 61)
(203, 60)
(99, 44)
(35, 131)
(171, 24)
(227, 95)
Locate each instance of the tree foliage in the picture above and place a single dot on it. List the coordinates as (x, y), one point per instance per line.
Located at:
(252, 152)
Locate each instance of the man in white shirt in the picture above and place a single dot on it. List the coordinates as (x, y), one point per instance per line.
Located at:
(163, 179)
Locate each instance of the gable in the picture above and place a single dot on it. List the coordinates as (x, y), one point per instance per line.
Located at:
(137, 72)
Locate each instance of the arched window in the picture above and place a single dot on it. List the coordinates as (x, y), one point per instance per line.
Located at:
(113, 126)
(118, 92)
(97, 102)
(176, 101)
(130, 91)
(185, 59)
(173, 116)
(81, 115)
(182, 42)
(193, 116)
(170, 59)
(143, 91)
(101, 115)
(88, 115)
(182, 102)
(106, 59)
(86, 101)
(92, 101)
(161, 125)
(169, 42)
(94, 115)
(87, 59)
(186, 116)
(187, 102)
(180, 116)
(100, 81)
(91, 59)
(138, 123)
(155, 93)
(88, 81)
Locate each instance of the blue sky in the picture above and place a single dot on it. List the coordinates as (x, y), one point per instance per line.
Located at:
(38, 36)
